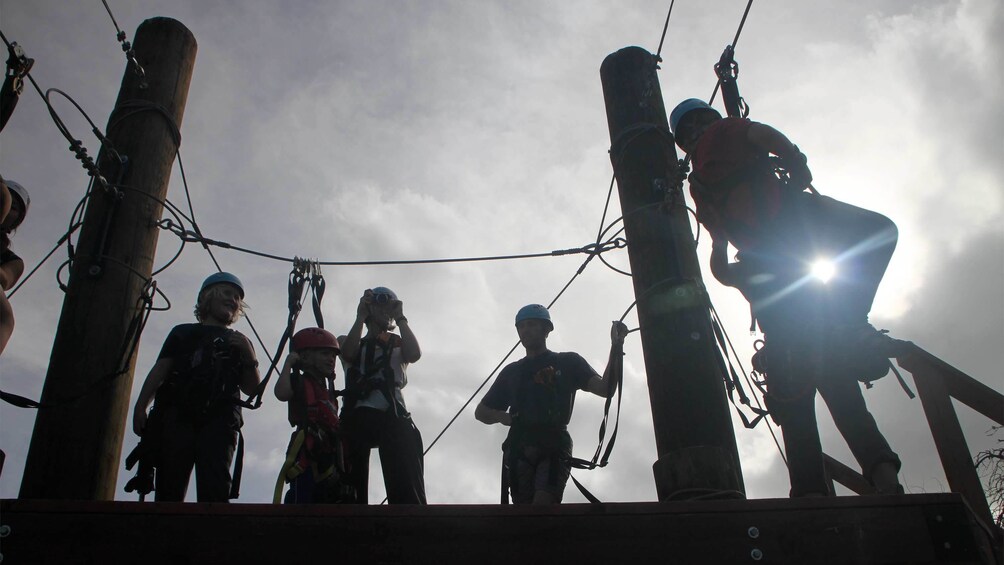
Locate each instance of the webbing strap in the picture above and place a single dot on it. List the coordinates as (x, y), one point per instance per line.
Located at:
(733, 384)
(235, 484)
(297, 283)
(585, 492)
(317, 286)
(291, 453)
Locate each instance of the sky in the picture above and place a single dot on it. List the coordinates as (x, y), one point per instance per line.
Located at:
(384, 130)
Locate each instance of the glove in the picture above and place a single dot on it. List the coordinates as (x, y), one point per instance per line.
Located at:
(799, 176)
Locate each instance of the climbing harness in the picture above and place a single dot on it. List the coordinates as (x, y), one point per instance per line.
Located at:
(514, 441)
(374, 374)
(315, 445)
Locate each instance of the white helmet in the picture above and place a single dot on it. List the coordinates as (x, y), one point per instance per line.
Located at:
(21, 192)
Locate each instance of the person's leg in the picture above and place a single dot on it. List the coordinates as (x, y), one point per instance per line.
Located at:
(175, 456)
(860, 242)
(791, 401)
(879, 464)
(215, 443)
(360, 428)
(402, 462)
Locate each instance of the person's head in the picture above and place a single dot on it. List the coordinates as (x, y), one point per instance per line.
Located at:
(20, 200)
(689, 120)
(533, 324)
(382, 302)
(318, 350)
(221, 299)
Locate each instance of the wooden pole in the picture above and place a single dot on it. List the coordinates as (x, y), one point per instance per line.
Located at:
(693, 429)
(76, 445)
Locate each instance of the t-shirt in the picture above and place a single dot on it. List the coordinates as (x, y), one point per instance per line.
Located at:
(741, 193)
(206, 369)
(541, 390)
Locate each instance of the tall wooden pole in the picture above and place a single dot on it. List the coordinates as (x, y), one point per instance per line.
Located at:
(693, 429)
(75, 448)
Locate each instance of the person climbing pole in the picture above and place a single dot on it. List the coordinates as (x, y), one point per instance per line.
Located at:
(817, 335)
(314, 466)
(375, 414)
(534, 397)
(195, 385)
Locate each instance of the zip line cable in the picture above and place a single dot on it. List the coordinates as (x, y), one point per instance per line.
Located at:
(195, 235)
(658, 53)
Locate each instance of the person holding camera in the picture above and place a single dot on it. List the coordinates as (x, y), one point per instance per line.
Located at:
(375, 414)
(197, 380)
(314, 466)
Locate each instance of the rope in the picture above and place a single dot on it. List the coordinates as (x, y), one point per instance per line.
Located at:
(658, 53)
(127, 48)
(735, 41)
(591, 249)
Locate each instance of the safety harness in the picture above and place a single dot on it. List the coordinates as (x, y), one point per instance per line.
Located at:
(375, 374)
(519, 433)
(315, 445)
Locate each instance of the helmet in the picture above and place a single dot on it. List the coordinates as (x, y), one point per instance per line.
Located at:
(684, 108)
(382, 294)
(222, 277)
(310, 338)
(534, 312)
(21, 192)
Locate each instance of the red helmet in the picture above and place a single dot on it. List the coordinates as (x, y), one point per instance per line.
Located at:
(310, 338)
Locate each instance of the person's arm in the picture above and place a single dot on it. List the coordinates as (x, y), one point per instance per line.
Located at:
(158, 374)
(284, 385)
(410, 350)
(350, 343)
(775, 142)
(720, 267)
(606, 385)
(10, 272)
(250, 378)
(487, 415)
(6, 321)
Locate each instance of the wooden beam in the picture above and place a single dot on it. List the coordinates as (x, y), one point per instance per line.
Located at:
(847, 476)
(953, 450)
(77, 441)
(693, 429)
(959, 385)
(929, 528)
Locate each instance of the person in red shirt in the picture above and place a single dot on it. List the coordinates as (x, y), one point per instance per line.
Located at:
(817, 334)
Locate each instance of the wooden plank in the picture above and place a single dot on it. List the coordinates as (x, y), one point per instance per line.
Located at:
(847, 476)
(949, 440)
(959, 385)
(870, 529)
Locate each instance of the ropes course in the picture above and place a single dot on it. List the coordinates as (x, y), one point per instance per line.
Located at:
(183, 224)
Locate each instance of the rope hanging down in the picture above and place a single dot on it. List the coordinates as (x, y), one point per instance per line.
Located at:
(304, 271)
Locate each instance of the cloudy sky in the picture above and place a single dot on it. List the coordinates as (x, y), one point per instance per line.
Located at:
(406, 130)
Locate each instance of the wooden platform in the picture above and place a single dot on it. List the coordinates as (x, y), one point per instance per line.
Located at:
(936, 528)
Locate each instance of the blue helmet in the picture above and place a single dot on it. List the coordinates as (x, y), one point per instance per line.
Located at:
(382, 294)
(686, 107)
(534, 312)
(222, 277)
